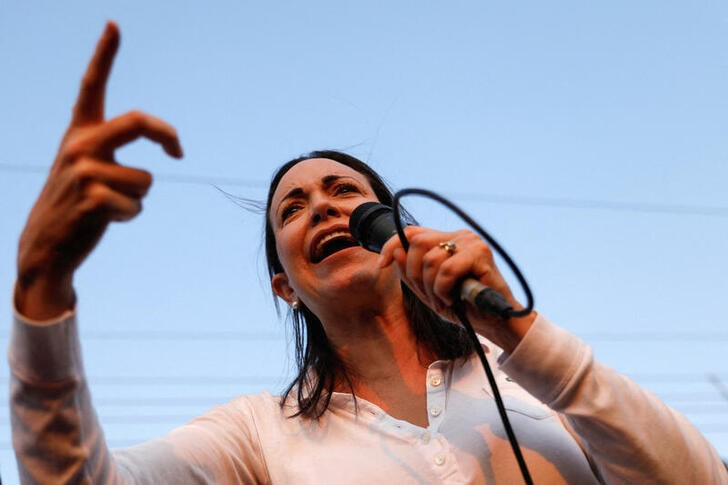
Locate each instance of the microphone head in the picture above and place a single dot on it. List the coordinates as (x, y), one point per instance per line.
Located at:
(372, 224)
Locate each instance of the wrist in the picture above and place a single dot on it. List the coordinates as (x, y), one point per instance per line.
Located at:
(39, 296)
(506, 334)
(517, 328)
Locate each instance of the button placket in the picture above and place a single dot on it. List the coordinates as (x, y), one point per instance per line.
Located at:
(436, 448)
(442, 461)
(436, 395)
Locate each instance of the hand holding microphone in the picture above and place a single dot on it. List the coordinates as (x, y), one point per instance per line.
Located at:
(436, 263)
(441, 267)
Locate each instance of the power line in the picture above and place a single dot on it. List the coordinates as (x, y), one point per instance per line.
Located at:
(222, 335)
(176, 380)
(656, 336)
(569, 203)
(157, 401)
(265, 335)
(674, 378)
(203, 380)
(682, 397)
(163, 177)
(147, 380)
(697, 405)
(272, 336)
(531, 201)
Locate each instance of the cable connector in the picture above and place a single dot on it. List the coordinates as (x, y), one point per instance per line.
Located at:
(485, 299)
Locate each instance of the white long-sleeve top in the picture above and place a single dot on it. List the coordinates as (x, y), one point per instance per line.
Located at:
(576, 420)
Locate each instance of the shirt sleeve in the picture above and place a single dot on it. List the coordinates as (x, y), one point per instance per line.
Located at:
(57, 437)
(629, 433)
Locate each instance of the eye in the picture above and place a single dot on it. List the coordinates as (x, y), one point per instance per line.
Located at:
(345, 188)
(289, 210)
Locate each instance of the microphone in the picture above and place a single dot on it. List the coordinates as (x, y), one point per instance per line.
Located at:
(372, 224)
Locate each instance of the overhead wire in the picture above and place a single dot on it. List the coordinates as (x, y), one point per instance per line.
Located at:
(262, 336)
(532, 201)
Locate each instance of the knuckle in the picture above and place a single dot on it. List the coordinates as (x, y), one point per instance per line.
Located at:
(468, 236)
(83, 172)
(486, 251)
(97, 196)
(417, 239)
(87, 207)
(74, 147)
(137, 117)
(447, 271)
(429, 261)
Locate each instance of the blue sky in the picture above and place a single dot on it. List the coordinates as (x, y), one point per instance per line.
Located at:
(590, 139)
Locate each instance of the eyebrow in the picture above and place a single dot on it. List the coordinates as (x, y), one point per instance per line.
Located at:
(298, 191)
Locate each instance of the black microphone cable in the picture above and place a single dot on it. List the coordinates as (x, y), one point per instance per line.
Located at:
(459, 308)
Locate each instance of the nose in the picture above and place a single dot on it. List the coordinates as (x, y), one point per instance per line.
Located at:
(322, 208)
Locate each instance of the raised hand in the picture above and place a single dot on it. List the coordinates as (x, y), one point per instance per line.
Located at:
(85, 190)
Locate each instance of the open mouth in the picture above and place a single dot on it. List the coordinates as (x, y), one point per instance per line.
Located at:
(332, 243)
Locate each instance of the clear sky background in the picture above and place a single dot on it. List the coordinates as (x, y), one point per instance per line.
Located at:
(589, 138)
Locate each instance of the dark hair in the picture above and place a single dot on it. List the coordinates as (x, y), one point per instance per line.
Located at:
(319, 367)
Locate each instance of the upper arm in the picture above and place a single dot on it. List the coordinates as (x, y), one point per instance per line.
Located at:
(221, 446)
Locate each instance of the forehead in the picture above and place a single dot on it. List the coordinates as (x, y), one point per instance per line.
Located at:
(311, 172)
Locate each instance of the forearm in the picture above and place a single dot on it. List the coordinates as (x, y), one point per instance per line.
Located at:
(631, 436)
(56, 435)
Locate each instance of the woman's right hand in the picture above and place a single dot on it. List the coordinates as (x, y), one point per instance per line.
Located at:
(85, 190)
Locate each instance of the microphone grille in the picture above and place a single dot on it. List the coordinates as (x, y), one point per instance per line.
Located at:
(363, 215)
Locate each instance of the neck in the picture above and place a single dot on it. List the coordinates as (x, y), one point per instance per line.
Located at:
(379, 349)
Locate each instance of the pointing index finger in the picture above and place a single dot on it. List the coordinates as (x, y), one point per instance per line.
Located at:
(90, 103)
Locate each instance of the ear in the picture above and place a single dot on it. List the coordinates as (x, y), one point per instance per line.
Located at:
(280, 285)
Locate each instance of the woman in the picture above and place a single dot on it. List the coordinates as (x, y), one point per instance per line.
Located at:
(386, 391)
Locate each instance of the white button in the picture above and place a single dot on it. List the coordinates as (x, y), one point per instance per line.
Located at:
(426, 437)
(509, 379)
(436, 380)
(440, 459)
(435, 411)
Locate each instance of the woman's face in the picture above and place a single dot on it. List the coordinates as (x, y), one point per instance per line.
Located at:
(309, 214)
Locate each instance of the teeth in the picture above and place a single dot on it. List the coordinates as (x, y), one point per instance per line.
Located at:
(329, 237)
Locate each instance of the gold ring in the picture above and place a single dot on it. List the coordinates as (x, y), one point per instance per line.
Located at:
(448, 246)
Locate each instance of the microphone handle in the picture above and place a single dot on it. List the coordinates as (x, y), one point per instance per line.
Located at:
(484, 298)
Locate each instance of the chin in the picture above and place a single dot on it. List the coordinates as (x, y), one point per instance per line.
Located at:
(353, 271)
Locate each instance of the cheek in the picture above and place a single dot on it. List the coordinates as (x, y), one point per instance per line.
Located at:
(289, 248)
